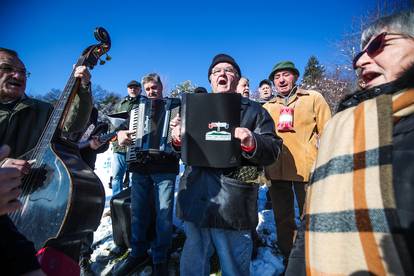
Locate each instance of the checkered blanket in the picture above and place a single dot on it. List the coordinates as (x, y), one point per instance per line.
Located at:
(350, 207)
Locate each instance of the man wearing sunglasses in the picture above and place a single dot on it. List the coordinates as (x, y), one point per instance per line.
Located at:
(300, 116)
(360, 211)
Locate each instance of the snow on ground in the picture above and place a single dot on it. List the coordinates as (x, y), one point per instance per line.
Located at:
(268, 261)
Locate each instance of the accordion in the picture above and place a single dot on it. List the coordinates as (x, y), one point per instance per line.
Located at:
(150, 121)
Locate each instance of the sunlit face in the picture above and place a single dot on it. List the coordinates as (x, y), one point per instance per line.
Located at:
(153, 90)
(284, 81)
(12, 78)
(265, 92)
(134, 91)
(387, 65)
(224, 78)
(243, 87)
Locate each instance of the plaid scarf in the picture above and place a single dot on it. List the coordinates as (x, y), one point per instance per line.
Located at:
(350, 206)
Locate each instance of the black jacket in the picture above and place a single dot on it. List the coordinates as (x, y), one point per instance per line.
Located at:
(17, 254)
(208, 197)
(88, 154)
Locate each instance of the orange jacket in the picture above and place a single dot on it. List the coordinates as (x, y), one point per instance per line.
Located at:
(311, 112)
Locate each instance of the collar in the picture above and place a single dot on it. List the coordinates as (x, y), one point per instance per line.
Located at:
(21, 103)
(129, 98)
(405, 80)
(245, 101)
(298, 92)
(363, 95)
(265, 101)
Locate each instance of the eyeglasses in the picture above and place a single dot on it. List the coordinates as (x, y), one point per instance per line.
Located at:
(7, 68)
(227, 71)
(376, 46)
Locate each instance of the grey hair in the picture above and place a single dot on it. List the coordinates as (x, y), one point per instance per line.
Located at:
(248, 81)
(402, 22)
(151, 77)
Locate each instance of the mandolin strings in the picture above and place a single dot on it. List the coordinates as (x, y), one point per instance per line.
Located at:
(44, 141)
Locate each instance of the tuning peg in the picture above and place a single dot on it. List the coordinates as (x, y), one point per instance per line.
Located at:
(108, 57)
(101, 62)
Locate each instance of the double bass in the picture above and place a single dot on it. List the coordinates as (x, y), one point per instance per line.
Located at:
(62, 197)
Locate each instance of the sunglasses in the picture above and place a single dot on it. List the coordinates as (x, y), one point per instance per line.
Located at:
(375, 47)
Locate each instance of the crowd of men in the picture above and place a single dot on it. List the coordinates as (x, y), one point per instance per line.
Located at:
(351, 175)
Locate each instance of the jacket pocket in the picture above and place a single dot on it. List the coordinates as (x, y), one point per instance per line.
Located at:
(237, 203)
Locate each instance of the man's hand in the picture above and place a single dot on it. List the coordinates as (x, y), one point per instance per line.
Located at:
(245, 136)
(10, 180)
(175, 125)
(124, 137)
(94, 143)
(83, 73)
(22, 165)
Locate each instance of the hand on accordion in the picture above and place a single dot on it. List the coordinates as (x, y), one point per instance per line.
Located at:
(124, 137)
(175, 125)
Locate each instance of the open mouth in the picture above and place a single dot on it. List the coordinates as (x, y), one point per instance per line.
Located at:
(222, 82)
(368, 77)
(13, 83)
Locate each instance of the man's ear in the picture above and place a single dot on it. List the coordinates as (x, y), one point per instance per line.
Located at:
(296, 77)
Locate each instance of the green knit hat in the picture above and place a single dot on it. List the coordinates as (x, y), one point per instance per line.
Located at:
(283, 65)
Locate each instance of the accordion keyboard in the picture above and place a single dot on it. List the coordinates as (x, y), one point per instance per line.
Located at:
(135, 124)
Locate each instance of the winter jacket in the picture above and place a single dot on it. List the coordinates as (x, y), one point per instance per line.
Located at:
(124, 106)
(17, 254)
(209, 197)
(93, 128)
(311, 112)
(22, 124)
(88, 154)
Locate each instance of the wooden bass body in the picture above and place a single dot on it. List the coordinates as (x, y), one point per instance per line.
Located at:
(66, 205)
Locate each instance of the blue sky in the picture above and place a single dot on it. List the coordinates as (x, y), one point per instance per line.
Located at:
(176, 39)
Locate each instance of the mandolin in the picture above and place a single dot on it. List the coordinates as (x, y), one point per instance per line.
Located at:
(62, 198)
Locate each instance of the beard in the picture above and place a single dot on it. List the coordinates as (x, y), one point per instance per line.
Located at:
(10, 95)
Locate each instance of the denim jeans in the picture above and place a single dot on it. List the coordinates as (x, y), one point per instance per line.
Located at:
(155, 190)
(119, 167)
(234, 249)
